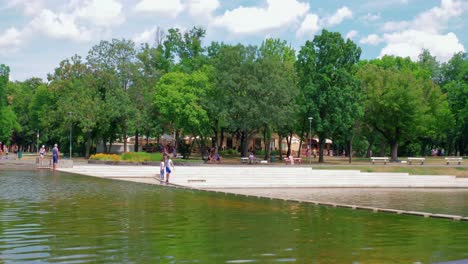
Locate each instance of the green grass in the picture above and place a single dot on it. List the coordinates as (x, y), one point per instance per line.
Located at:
(141, 156)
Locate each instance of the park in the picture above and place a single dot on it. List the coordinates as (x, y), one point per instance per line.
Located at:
(307, 154)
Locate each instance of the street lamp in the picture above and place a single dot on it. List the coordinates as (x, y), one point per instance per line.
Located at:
(310, 141)
(71, 126)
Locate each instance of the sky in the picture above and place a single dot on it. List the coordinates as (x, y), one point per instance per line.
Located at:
(35, 35)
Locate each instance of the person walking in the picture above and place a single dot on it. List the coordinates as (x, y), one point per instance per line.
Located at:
(162, 170)
(42, 153)
(55, 156)
(168, 164)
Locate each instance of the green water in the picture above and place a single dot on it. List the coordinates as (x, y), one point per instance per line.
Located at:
(63, 218)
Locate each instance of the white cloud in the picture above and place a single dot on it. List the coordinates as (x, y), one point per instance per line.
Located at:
(9, 41)
(309, 26)
(202, 7)
(102, 12)
(30, 7)
(147, 36)
(170, 8)
(277, 14)
(425, 31)
(432, 20)
(410, 43)
(340, 15)
(60, 26)
(372, 39)
(351, 34)
(371, 17)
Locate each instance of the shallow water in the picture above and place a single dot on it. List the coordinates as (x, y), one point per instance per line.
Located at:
(440, 201)
(64, 218)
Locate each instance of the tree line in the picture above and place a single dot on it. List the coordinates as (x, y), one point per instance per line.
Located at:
(175, 85)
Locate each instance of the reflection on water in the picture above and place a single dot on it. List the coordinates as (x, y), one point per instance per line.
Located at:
(62, 218)
(441, 201)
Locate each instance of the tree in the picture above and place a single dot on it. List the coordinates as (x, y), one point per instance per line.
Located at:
(278, 87)
(455, 84)
(326, 68)
(178, 99)
(237, 85)
(400, 105)
(116, 60)
(8, 122)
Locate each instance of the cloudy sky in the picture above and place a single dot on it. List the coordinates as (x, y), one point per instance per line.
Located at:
(35, 35)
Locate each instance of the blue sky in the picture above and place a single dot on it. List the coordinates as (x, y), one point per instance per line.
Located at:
(35, 35)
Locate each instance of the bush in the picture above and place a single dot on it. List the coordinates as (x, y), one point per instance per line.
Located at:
(129, 156)
(102, 156)
(228, 152)
(141, 156)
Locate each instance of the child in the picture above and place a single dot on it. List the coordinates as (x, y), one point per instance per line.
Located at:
(162, 168)
(169, 164)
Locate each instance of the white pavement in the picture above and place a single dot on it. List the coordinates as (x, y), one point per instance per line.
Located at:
(210, 177)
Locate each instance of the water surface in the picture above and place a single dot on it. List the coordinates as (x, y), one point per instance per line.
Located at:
(64, 218)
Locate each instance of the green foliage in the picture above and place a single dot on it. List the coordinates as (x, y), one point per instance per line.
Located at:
(229, 152)
(128, 157)
(141, 156)
(184, 149)
(326, 68)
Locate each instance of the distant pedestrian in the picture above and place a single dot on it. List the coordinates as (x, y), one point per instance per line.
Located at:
(42, 153)
(162, 169)
(169, 164)
(55, 156)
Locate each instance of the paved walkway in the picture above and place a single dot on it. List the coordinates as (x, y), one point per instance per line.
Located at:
(210, 177)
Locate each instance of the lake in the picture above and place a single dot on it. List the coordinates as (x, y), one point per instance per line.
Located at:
(50, 217)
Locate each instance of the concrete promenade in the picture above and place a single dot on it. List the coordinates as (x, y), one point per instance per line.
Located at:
(211, 177)
(254, 180)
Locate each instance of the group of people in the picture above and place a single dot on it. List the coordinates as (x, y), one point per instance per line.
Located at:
(4, 149)
(165, 168)
(214, 156)
(55, 155)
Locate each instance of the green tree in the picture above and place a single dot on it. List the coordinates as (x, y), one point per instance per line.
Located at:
(400, 105)
(455, 84)
(8, 121)
(115, 61)
(326, 68)
(178, 100)
(277, 88)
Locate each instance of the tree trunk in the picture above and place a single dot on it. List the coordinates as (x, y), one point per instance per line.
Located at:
(350, 150)
(135, 148)
(221, 140)
(394, 151)
(88, 145)
(382, 149)
(321, 148)
(369, 149)
(266, 140)
(280, 145)
(244, 144)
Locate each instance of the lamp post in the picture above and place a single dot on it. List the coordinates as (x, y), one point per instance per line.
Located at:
(310, 141)
(71, 126)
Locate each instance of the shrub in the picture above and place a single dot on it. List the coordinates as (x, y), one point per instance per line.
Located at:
(102, 156)
(141, 156)
(228, 152)
(129, 156)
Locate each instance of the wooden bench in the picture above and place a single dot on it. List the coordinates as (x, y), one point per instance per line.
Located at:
(244, 160)
(421, 160)
(295, 161)
(458, 160)
(379, 159)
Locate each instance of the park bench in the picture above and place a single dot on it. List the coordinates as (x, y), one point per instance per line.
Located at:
(296, 161)
(421, 160)
(379, 159)
(244, 160)
(458, 160)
